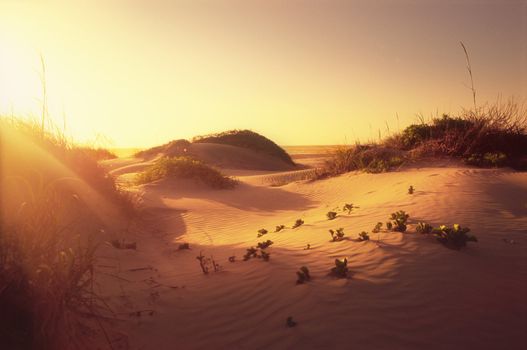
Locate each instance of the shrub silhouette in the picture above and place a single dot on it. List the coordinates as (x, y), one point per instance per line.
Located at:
(303, 275)
(263, 245)
(246, 139)
(411, 189)
(298, 223)
(261, 232)
(337, 235)
(341, 268)
(279, 228)
(364, 236)
(331, 215)
(348, 207)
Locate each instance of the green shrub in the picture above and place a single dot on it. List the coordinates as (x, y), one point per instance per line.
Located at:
(185, 168)
(247, 139)
(341, 268)
(399, 220)
(495, 160)
(331, 215)
(454, 237)
(337, 235)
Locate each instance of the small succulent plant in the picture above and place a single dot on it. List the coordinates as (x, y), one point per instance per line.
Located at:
(411, 189)
(279, 228)
(331, 215)
(262, 232)
(364, 236)
(454, 237)
(399, 220)
(337, 235)
(183, 246)
(377, 227)
(298, 223)
(232, 258)
(308, 246)
(348, 207)
(389, 225)
(341, 268)
(423, 227)
(263, 245)
(303, 275)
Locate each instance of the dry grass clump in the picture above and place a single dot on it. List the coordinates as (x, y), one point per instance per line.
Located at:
(371, 158)
(47, 237)
(185, 168)
(46, 272)
(492, 135)
(247, 139)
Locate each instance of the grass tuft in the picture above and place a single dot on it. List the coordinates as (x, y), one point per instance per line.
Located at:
(185, 168)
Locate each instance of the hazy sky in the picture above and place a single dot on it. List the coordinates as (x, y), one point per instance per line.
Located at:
(300, 72)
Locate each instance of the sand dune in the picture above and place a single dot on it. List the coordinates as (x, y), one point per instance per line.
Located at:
(406, 290)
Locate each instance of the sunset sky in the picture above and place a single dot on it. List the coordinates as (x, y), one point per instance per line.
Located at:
(142, 73)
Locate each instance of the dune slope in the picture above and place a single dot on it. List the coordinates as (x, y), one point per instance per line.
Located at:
(405, 289)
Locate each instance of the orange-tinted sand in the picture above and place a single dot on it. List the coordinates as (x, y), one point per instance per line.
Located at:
(406, 291)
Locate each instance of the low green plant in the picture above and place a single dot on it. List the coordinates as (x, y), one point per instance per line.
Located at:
(331, 215)
(341, 268)
(266, 244)
(298, 223)
(389, 225)
(454, 237)
(399, 220)
(489, 159)
(423, 227)
(303, 275)
(411, 189)
(262, 232)
(279, 228)
(185, 168)
(337, 235)
(377, 227)
(364, 236)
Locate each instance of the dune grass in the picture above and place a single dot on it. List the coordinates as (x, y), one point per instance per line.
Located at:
(47, 241)
(489, 136)
(185, 168)
(247, 139)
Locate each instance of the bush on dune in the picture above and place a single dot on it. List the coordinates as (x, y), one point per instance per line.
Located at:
(489, 136)
(247, 139)
(185, 168)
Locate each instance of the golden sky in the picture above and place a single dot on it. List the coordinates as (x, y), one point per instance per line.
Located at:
(300, 72)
